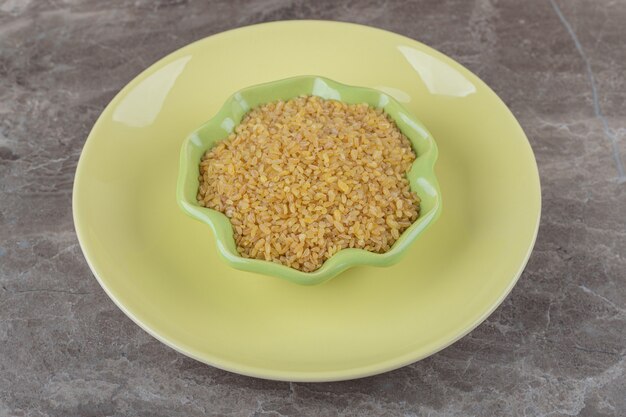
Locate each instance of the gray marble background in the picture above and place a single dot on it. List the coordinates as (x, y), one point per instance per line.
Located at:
(555, 347)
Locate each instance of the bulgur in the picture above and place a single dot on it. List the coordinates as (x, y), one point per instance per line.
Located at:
(304, 178)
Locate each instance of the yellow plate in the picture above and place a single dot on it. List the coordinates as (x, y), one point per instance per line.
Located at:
(162, 269)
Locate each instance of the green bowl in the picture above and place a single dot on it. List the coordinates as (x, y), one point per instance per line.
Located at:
(421, 175)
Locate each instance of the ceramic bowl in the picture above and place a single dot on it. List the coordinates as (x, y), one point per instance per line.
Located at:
(421, 175)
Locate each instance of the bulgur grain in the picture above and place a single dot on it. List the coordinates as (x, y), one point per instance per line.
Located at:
(304, 178)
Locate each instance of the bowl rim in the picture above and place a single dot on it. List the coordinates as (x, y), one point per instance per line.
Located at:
(345, 258)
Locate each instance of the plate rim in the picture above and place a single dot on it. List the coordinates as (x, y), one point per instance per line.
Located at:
(268, 373)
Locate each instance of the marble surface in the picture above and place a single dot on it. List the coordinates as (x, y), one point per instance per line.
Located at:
(555, 347)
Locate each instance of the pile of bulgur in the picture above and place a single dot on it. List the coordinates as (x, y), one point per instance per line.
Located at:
(304, 178)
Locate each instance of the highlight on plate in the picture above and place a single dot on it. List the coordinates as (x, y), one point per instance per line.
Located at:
(304, 178)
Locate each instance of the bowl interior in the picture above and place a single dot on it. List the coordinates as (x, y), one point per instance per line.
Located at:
(421, 175)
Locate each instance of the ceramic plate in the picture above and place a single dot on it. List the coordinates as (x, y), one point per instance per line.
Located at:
(162, 269)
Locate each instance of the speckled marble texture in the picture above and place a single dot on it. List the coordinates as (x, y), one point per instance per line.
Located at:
(555, 347)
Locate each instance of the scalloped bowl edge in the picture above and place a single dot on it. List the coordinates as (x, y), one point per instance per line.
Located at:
(421, 176)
